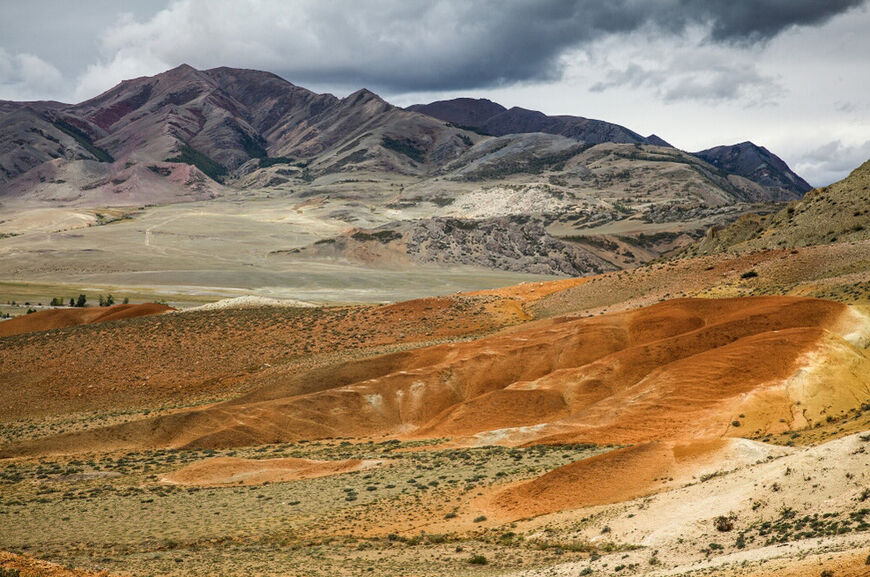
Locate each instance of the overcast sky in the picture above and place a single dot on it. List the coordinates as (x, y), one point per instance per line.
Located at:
(790, 75)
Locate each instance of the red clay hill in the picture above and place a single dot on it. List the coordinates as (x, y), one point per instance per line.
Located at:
(673, 372)
(62, 318)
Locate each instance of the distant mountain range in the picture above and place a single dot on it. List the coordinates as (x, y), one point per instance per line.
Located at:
(432, 184)
(229, 124)
(745, 159)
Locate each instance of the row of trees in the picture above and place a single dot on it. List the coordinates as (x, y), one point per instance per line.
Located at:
(82, 301)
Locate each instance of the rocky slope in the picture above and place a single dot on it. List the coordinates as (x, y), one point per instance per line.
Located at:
(518, 244)
(835, 213)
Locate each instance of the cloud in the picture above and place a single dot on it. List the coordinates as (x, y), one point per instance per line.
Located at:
(682, 67)
(754, 20)
(399, 45)
(28, 77)
(831, 161)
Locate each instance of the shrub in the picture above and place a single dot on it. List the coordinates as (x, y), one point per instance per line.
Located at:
(480, 519)
(478, 560)
(723, 524)
(749, 274)
(384, 236)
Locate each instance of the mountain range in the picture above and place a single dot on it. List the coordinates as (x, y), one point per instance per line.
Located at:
(486, 117)
(230, 123)
(382, 186)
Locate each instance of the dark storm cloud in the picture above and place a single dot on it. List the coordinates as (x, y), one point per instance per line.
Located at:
(399, 45)
(759, 20)
(498, 42)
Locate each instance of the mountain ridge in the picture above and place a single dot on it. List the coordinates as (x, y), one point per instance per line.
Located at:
(745, 159)
(222, 119)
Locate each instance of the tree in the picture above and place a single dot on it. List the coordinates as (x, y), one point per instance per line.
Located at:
(81, 301)
(126, 300)
(57, 302)
(72, 302)
(110, 300)
(102, 301)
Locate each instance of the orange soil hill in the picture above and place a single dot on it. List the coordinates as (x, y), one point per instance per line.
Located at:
(675, 371)
(62, 318)
(161, 360)
(235, 471)
(31, 567)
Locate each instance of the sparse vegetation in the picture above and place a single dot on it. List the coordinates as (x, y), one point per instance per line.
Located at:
(209, 167)
(265, 162)
(478, 560)
(407, 147)
(84, 140)
(382, 236)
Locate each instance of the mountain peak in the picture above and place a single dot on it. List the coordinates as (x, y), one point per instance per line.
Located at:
(758, 164)
(183, 67)
(471, 112)
(657, 140)
(362, 96)
(182, 71)
(364, 93)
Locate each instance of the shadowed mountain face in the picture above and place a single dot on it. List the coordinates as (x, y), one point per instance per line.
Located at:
(494, 119)
(758, 165)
